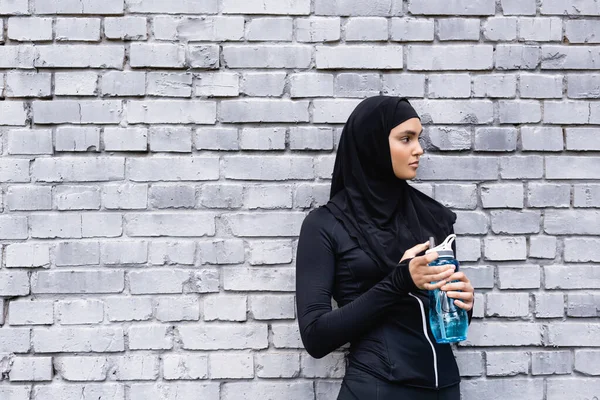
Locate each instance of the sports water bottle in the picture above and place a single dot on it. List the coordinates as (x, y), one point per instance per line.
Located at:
(448, 322)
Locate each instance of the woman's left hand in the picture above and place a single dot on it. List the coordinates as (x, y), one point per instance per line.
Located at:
(464, 298)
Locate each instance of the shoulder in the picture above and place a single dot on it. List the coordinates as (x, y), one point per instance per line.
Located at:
(319, 220)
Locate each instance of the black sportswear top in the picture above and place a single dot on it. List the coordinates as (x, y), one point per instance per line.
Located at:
(385, 318)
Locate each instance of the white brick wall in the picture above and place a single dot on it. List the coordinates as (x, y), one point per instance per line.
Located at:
(158, 158)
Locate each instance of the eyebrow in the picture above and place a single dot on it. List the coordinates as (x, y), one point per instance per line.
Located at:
(409, 132)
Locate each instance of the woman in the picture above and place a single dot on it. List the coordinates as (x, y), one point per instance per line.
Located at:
(362, 248)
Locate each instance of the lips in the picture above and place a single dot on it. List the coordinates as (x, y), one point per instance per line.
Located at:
(415, 164)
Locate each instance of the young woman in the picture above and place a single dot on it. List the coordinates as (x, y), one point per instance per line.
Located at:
(362, 248)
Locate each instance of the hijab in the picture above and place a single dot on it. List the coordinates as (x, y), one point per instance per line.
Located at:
(383, 213)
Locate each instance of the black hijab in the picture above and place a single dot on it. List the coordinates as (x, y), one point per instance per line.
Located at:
(384, 214)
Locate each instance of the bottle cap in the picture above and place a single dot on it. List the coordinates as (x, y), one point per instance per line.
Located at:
(444, 249)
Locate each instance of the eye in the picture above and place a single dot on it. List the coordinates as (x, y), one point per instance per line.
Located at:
(405, 139)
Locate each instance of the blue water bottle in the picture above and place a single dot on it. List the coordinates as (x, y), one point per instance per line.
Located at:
(448, 322)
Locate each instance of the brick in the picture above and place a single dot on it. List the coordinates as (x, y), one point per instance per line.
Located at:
(500, 29)
(258, 279)
(204, 28)
(359, 57)
(135, 367)
(81, 369)
(583, 86)
(455, 111)
(357, 85)
(586, 361)
(571, 222)
(150, 337)
(517, 112)
(506, 363)
(32, 255)
(268, 307)
(425, 58)
(318, 29)
(311, 85)
(170, 139)
(259, 224)
(572, 334)
(311, 138)
(541, 138)
(268, 197)
(225, 308)
(582, 31)
(583, 305)
(267, 56)
(505, 248)
(230, 251)
(124, 252)
(515, 222)
(333, 110)
(125, 139)
(13, 113)
(171, 253)
(76, 253)
(151, 281)
(363, 29)
(405, 30)
(78, 29)
(128, 308)
(78, 7)
(58, 282)
(29, 198)
(177, 309)
(269, 168)
(172, 196)
(504, 334)
(497, 389)
(258, 84)
(229, 365)
(470, 363)
(549, 195)
(522, 167)
(26, 29)
(224, 336)
(495, 139)
(519, 277)
(76, 312)
(502, 195)
(404, 84)
(204, 281)
(459, 168)
(575, 167)
(13, 227)
(28, 84)
(535, 86)
(27, 141)
(174, 391)
(69, 340)
(330, 366)
(125, 196)
(286, 336)
(156, 169)
(549, 305)
(74, 138)
(578, 388)
(125, 28)
(450, 86)
(471, 223)
(217, 84)
(166, 84)
(101, 225)
(382, 8)
(518, 7)
(581, 250)
(221, 196)
(495, 86)
(507, 305)
(15, 7)
(461, 7)
(570, 7)
(174, 7)
(171, 111)
(77, 112)
(468, 249)
(74, 392)
(542, 247)
(573, 57)
(291, 390)
(160, 55)
(80, 56)
(449, 138)
(15, 340)
(124, 83)
(30, 369)
(75, 83)
(571, 112)
(163, 224)
(22, 56)
(570, 277)
(205, 56)
(458, 29)
(25, 312)
(52, 226)
(586, 195)
(540, 29)
(277, 365)
(216, 138)
(311, 195)
(270, 29)
(270, 252)
(288, 7)
(517, 56)
(185, 366)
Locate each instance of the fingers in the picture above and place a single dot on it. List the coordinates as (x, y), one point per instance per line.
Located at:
(464, 306)
(459, 276)
(467, 296)
(433, 286)
(442, 276)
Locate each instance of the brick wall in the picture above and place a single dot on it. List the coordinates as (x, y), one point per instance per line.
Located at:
(158, 158)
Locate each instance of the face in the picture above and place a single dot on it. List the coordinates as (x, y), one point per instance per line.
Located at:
(405, 148)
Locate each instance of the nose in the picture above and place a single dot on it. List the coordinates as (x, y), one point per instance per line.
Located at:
(418, 150)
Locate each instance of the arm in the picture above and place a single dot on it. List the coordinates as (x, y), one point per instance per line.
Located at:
(322, 329)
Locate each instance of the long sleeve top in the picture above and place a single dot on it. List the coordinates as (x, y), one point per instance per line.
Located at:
(384, 318)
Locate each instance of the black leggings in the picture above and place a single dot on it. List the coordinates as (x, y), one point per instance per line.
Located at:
(359, 385)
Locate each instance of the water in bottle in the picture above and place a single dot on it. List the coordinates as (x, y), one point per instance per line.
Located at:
(449, 323)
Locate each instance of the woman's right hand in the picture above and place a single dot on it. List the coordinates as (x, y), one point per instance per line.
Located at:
(422, 274)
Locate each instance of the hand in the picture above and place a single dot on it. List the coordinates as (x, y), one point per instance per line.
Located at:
(413, 251)
(464, 298)
(422, 274)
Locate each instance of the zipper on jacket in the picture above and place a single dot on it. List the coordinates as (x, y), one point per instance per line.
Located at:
(435, 370)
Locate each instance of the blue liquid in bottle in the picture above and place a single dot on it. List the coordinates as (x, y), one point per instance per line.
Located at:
(448, 322)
